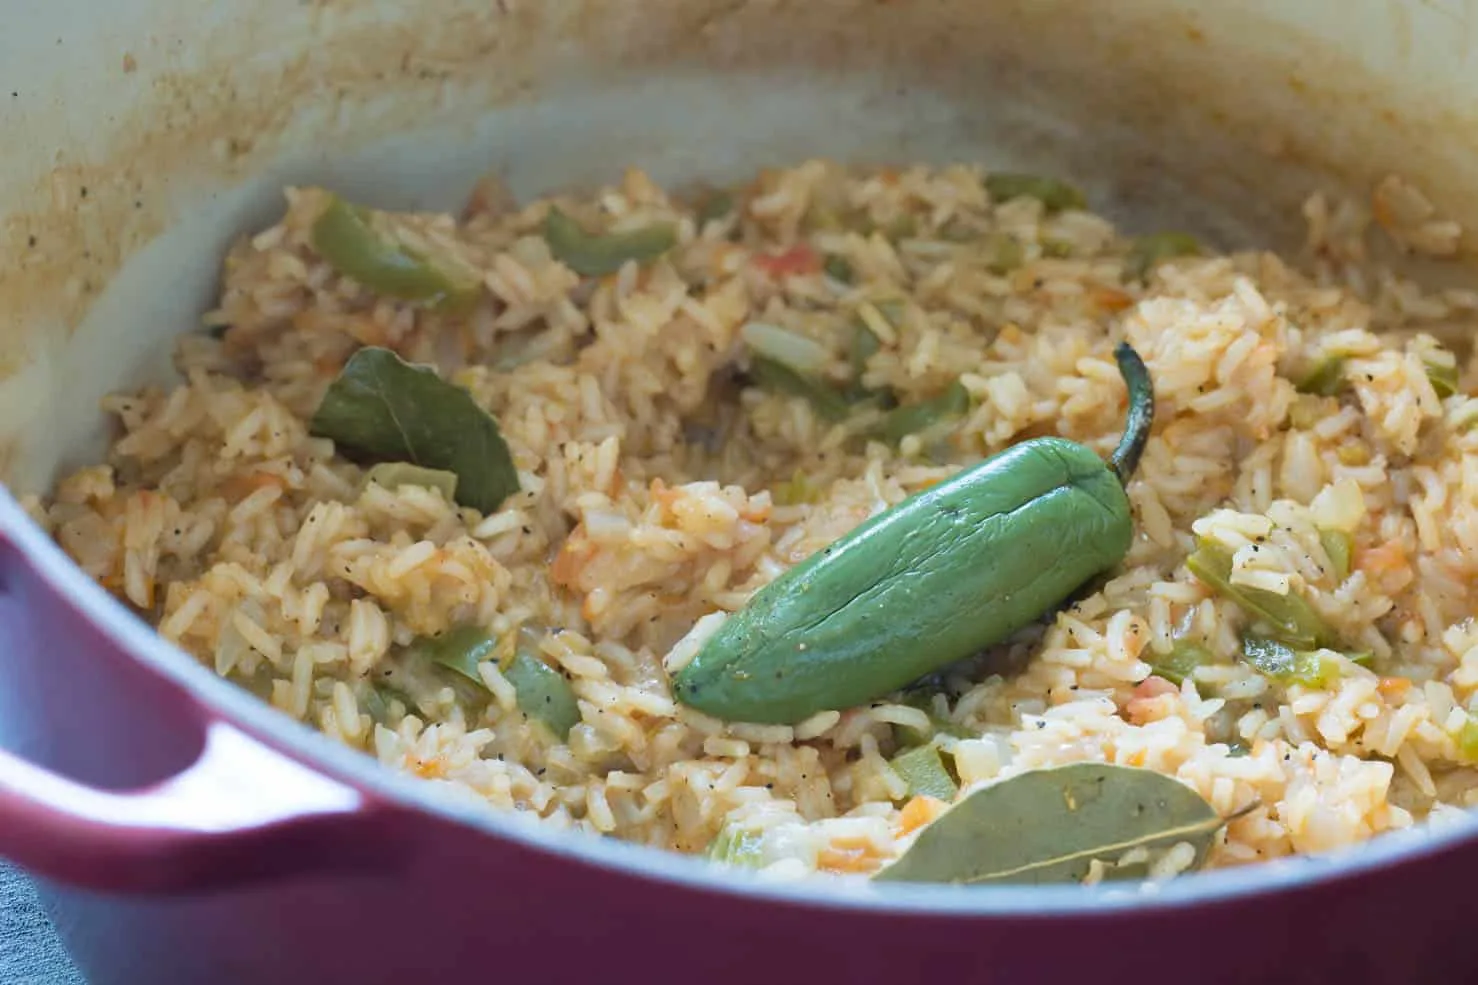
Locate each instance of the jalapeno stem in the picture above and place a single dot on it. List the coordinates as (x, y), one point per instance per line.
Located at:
(1141, 416)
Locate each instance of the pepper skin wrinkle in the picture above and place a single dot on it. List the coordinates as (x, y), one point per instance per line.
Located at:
(938, 578)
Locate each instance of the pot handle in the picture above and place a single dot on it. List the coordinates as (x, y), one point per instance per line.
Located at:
(240, 812)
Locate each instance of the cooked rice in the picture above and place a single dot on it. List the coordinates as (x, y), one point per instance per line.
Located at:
(649, 503)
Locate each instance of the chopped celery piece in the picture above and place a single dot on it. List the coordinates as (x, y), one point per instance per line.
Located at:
(542, 692)
(912, 418)
(795, 491)
(1467, 739)
(716, 206)
(956, 230)
(382, 698)
(774, 375)
(1290, 617)
(347, 236)
(1326, 379)
(864, 346)
(1340, 547)
(594, 255)
(792, 349)
(891, 310)
(923, 770)
(1054, 194)
(736, 845)
(393, 475)
(460, 650)
(1286, 665)
(1444, 379)
(1306, 410)
(903, 227)
(1181, 662)
(839, 268)
(1148, 251)
(923, 700)
(1006, 255)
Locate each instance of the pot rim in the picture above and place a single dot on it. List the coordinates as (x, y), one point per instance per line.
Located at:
(138, 641)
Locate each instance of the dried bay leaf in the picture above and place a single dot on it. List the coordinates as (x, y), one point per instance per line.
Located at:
(384, 408)
(1052, 825)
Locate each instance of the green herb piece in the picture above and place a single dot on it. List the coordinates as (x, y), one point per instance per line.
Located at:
(912, 418)
(780, 378)
(957, 230)
(1286, 665)
(460, 650)
(923, 700)
(1467, 739)
(839, 268)
(903, 227)
(1326, 379)
(823, 217)
(381, 699)
(360, 244)
(1306, 410)
(1052, 825)
(864, 346)
(1055, 195)
(383, 407)
(1057, 249)
(393, 475)
(716, 206)
(1149, 251)
(543, 693)
(923, 770)
(892, 311)
(791, 349)
(1290, 617)
(737, 845)
(1181, 662)
(592, 255)
(795, 491)
(1444, 379)
(1006, 254)
(1340, 547)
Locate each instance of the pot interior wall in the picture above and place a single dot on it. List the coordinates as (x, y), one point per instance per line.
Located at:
(145, 145)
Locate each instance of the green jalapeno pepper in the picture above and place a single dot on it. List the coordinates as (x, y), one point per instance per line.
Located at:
(939, 577)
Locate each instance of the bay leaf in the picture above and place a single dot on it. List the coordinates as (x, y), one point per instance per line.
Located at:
(1051, 825)
(384, 408)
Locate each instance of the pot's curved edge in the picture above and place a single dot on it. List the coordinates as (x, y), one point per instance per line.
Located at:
(138, 641)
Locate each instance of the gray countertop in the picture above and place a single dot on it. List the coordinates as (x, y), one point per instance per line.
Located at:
(30, 953)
